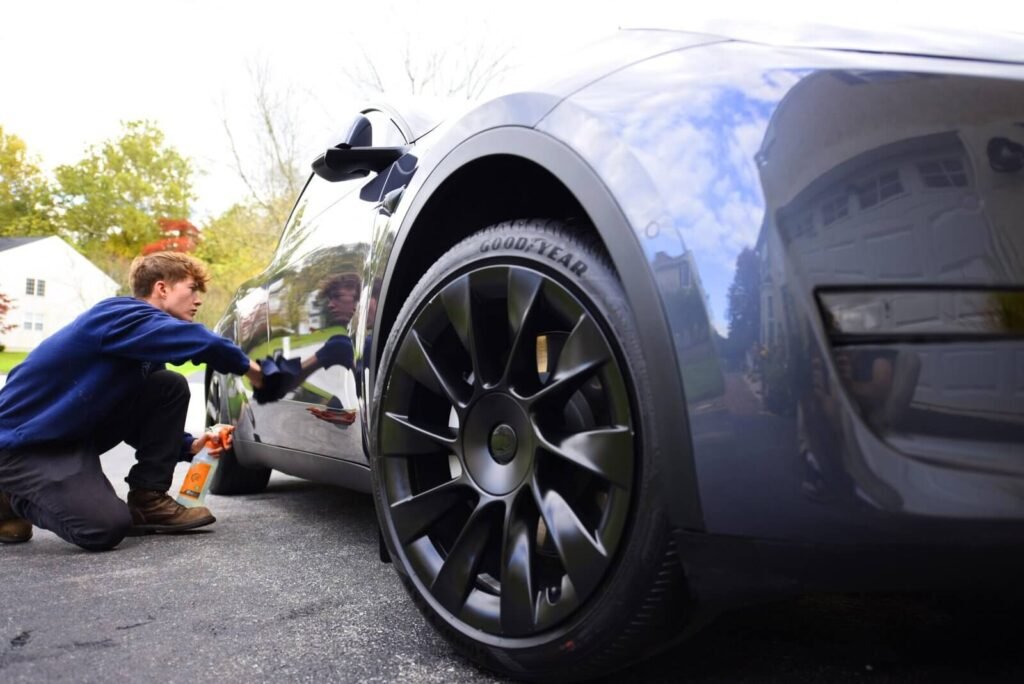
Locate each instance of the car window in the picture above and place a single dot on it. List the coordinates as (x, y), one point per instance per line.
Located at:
(317, 196)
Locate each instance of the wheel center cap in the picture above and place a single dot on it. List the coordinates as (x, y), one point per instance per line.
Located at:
(497, 444)
(503, 443)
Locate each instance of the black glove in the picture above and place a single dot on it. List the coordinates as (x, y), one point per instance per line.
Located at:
(279, 377)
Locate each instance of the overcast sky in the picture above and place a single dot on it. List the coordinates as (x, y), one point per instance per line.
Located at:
(71, 71)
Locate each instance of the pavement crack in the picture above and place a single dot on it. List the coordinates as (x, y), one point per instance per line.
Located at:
(149, 619)
(88, 645)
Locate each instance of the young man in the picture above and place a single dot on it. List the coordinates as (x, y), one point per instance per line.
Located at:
(100, 381)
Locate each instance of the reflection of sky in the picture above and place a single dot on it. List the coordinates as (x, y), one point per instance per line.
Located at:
(696, 126)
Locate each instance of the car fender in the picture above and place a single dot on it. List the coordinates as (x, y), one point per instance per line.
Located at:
(671, 437)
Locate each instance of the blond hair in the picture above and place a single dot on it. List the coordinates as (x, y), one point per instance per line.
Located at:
(170, 267)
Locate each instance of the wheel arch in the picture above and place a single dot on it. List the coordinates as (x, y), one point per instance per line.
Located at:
(469, 189)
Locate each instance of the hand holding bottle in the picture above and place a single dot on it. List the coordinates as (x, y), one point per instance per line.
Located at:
(215, 440)
(207, 448)
(218, 438)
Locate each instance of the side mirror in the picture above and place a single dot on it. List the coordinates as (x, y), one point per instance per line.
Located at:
(345, 163)
(360, 132)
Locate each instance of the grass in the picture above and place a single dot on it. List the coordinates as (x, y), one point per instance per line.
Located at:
(187, 369)
(10, 359)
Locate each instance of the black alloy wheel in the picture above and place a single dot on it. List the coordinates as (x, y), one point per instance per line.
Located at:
(230, 477)
(506, 457)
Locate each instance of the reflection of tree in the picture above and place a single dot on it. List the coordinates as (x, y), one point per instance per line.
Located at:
(744, 306)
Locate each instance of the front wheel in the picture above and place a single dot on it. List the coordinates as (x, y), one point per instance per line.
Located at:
(511, 476)
(230, 477)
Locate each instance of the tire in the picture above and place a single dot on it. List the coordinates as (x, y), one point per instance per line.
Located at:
(514, 488)
(230, 477)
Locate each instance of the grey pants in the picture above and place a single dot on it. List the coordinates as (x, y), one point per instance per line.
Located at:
(61, 487)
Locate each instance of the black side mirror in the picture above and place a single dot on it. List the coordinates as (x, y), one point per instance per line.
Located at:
(360, 132)
(345, 162)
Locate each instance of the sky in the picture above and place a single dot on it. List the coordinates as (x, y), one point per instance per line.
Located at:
(71, 71)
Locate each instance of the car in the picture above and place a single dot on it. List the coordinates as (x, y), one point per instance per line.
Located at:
(694, 320)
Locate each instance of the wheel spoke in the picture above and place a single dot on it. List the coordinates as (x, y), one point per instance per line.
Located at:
(414, 515)
(584, 352)
(400, 437)
(523, 287)
(583, 557)
(517, 598)
(457, 298)
(608, 452)
(458, 572)
(414, 358)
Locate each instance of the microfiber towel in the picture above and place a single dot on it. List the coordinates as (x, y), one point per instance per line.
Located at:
(280, 375)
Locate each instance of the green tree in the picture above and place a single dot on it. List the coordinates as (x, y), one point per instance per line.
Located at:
(744, 304)
(26, 198)
(112, 199)
(236, 246)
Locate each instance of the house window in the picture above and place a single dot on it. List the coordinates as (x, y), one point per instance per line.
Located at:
(943, 173)
(834, 209)
(879, 189)
(32, 322)
(35, 287)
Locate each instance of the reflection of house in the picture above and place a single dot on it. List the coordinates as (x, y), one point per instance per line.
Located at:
(686, 301)
(886, 179)
(50, 284)
(673, 273)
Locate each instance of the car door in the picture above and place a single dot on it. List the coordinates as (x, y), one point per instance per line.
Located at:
(314, 288)
(247, 326)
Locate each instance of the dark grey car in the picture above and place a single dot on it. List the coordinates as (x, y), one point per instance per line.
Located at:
(707, 318)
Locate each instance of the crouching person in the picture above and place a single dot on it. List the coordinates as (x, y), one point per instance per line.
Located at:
(101, 381)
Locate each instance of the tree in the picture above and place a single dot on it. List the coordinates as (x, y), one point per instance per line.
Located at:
(112, 199)
(273, 173)
(5, 307)
(465, 72)
(179, 235)
(744, 304)
(26, 198)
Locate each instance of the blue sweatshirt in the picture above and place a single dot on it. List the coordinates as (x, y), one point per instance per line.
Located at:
(71, 381)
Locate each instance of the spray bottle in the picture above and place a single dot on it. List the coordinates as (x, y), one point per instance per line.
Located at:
(204, 465)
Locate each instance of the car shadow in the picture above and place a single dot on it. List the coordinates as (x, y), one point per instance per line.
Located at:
(840, 638)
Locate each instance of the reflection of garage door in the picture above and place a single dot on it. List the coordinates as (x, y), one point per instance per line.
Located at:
(989, 380)
(911, 216)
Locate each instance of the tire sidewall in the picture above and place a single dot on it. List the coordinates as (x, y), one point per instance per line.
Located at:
(549, 247)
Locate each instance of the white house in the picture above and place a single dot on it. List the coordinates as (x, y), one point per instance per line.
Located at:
(50, 284)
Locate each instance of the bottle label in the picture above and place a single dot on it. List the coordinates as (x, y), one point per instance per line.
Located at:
(195, 478)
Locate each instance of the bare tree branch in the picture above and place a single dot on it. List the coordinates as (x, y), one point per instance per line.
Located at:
(434, 72)
(268, 163)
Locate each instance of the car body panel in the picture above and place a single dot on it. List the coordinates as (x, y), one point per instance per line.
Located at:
(877, 228)
(714, 150)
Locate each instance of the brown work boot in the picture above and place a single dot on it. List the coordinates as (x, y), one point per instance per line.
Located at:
(13, 530)
(154, 511)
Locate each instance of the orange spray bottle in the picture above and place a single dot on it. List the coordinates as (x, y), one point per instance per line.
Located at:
(204, 464)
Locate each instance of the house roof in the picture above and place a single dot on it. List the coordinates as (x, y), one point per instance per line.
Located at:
(11, 243)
